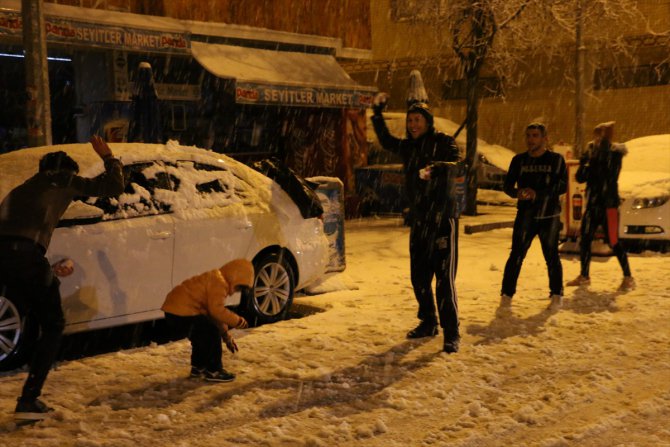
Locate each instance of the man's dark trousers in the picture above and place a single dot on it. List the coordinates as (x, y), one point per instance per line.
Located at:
(205, 337)
(27, 276)
(433, 251)
(594, 216)
(526, 227)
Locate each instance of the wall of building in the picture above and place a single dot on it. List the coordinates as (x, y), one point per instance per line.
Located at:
(544, 90)
(348, 20)
(399, 38)
(547, 94)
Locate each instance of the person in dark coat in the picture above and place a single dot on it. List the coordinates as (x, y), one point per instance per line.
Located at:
(599, 168)
(430, 161)
(28, 216)
(536, 178)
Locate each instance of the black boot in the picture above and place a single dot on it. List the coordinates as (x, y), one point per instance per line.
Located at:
(451, 346)
(451, 341)
(424, 329)
(31, 410)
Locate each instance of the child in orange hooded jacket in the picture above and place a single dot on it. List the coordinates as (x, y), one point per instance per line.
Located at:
(196, 309)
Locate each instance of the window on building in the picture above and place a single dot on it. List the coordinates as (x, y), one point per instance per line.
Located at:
(629, 77)
(178, 117)
(257, 130)
(167, 69)
(457, 88)
(405, 10)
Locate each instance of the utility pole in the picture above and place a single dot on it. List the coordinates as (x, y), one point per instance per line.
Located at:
(38, 105)
(580, 60)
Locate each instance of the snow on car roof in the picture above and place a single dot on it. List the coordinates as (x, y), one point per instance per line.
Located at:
(497, 155)
(651, 153)
(18, 166)
(645, 169)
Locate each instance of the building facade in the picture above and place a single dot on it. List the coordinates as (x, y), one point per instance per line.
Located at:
(633, 90)
(234, 77)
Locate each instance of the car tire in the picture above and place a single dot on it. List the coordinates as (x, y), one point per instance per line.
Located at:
(272, 293)
(17, 333)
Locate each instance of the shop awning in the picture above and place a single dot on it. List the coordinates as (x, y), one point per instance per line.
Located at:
(283, 77)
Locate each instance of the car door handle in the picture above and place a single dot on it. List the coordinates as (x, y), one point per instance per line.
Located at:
(159, 234)
(245, 226)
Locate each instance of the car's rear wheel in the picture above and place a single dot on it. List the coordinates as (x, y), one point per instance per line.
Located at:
(272, 294)
(16, 333)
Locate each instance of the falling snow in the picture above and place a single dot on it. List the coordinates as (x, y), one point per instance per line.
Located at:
(595, 373)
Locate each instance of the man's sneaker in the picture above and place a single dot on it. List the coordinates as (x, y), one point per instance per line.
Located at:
(197, 373)
(505, 306)
(424, 329)
(219, 376)
(556, 302)
(505, 301)
(579, 281)
(627, 284)
(451, 346)
(31, 410)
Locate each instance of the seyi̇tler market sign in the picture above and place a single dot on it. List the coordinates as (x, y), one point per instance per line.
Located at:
(254, 93)
(77, 32)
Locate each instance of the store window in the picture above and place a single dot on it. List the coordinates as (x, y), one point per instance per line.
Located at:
(167, 69)
(629, 77)
(406, 10)
(258, 130)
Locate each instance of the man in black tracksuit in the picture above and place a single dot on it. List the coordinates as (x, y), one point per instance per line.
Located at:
(430, 161)
(599, 168)
(536, 178)
(28, 216)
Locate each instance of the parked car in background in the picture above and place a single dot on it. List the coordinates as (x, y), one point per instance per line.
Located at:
(380, 185)
(644, 185)
(184, 211)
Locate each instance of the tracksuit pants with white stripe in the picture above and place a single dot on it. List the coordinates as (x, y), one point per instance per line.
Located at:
(434, 253)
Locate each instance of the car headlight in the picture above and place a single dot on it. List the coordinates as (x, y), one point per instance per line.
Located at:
(652, 202)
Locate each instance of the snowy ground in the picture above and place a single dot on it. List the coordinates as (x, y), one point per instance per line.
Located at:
(595, 374)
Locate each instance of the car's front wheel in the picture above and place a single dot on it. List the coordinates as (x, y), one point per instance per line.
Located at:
(16, 333)
(272, 294)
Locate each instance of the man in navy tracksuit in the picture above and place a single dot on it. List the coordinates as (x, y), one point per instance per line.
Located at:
(599, 168)
(430, 160)
(536, 178)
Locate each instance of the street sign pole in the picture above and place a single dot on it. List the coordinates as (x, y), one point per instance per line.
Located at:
(38, 105)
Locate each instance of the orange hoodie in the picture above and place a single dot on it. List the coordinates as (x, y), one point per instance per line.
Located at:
(205, 294)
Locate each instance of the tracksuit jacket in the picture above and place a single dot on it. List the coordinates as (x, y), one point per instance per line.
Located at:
(599, 168)
(429, 201)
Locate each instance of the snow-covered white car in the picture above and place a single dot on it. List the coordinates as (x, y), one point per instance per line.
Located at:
(644, 185)
(184, 211)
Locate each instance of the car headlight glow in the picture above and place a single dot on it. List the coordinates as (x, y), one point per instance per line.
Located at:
(651, 202)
